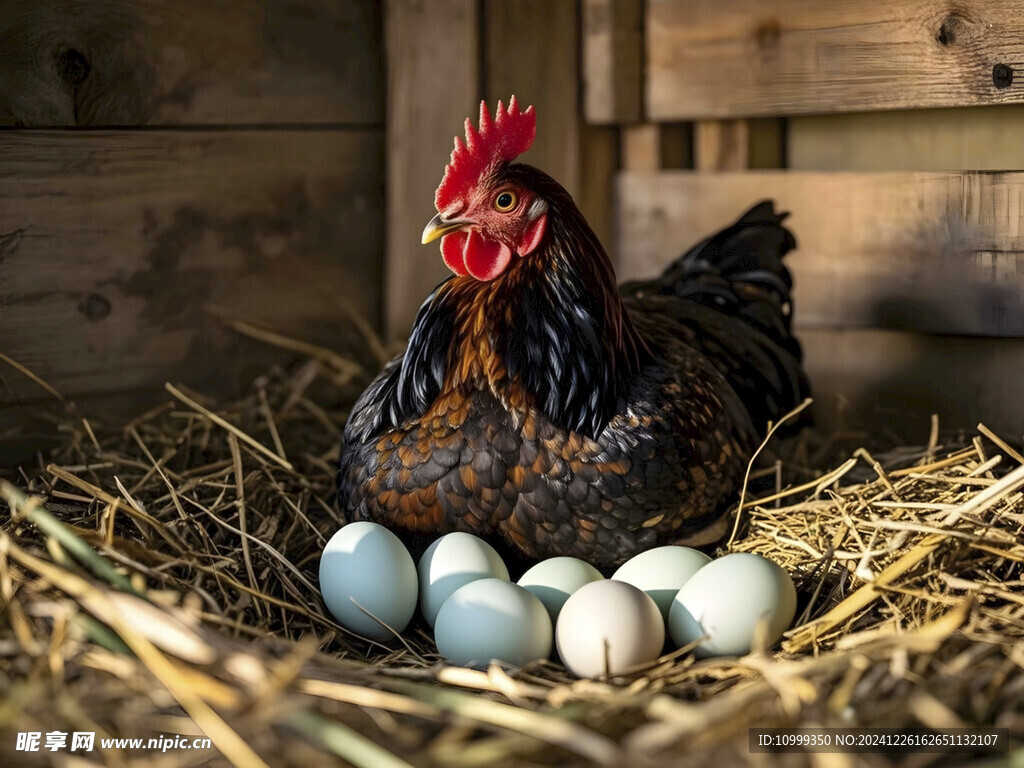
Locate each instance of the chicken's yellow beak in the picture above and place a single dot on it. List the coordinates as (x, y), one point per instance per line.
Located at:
(439, 227)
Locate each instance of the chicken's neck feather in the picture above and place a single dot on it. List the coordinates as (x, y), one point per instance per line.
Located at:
(567, 340)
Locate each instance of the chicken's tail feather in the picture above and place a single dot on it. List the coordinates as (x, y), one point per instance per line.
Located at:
(740, 271)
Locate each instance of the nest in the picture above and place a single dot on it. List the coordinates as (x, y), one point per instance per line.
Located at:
(161, 578)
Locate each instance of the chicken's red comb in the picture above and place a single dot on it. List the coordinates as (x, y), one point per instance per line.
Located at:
(500, 140)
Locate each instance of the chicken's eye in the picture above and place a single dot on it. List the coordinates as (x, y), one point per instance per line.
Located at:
(505, 201)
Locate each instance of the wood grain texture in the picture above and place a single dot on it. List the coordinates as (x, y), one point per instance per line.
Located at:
(113, 244)
(433, 85)
(613, 53)
(531, 49)
(934, 252)
(190, 62)
(708, 59)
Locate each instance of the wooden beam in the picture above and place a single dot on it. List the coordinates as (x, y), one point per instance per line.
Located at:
(531, 50)
(433, 85)
(977, 139)
(934, 252)
(613, 60)
(721, 145)
(641, 147)
(190, 62)
(115, 245)
(708, 59)
(653, 146)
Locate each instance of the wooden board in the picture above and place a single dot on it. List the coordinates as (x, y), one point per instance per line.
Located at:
(711, 59)
(935, 252)
(977, 139)
(721, 145)
(613, 53)
(190, 62)
(531, 49)
(892, 381)
(433, 84)
(113, 244)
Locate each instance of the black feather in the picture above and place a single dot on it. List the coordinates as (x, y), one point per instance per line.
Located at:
(739, 273)
(556, 345)
(412, 381)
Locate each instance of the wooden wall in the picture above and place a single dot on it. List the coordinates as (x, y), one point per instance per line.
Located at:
(161, 159)
(899, 127)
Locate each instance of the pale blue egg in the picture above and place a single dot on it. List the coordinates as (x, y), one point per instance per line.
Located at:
(727, 599)
(452, 561)
(661, 572)
(553, 580)
(365, 564)
(493, 620)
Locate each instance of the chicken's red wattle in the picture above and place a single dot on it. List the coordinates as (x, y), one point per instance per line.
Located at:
(470, 253)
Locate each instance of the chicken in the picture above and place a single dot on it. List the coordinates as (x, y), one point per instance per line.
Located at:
(538, 404)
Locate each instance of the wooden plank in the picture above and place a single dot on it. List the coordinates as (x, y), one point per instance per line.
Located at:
(113, 244)
(653, 146)
(531, 49)
(936, 252)
(892, 381)
(191, 62)
(977, 139)
(721, 145)
(433, 84)
(641, 147)
(708, 59)
(613, 52)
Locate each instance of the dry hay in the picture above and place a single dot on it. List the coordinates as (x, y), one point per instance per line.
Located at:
(161, 579)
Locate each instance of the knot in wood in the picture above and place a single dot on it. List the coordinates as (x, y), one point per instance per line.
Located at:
(1002, 76)
(951, 30)
(72, 66)
(767, 34)
(94, 307)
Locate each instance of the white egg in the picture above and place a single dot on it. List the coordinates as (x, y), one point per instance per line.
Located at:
(607, 626)
(493, 619)
(661, 572)
(553, 580)
(452, 561)
(365, 563)
(727, 599)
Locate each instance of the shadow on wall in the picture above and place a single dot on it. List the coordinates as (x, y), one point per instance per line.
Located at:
(888, 380)
(936, 328)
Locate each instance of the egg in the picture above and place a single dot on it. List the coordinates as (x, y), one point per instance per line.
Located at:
(450, 562)
(365, 563)
(661, 572)
(493, 619)
(607, 626)
(727, 599)
(553, 580)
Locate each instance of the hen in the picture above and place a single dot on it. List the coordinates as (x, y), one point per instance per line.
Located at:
(538, 403)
